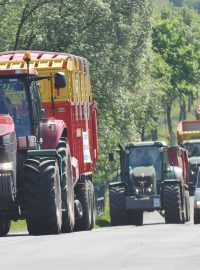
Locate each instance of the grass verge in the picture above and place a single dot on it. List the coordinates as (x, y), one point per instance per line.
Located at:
(104, 219)
(19, 226)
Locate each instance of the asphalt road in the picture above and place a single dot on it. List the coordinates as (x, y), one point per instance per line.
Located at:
(155, 245)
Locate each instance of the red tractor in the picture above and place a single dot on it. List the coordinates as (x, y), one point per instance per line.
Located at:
(38, 180)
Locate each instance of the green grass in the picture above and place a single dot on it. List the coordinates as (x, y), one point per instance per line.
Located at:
(18, 226)
(104, 219)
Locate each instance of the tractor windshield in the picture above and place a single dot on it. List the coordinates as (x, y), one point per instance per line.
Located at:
(13, 101)
(193, 148)
(146, 156)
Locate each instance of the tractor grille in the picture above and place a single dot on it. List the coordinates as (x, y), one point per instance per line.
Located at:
(6, 192)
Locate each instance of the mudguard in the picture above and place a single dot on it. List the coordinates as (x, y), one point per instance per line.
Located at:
(116, 184)
(171, 182)
(51, 131)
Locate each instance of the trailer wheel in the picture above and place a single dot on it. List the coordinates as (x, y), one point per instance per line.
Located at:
(68, 219)
(137, 217)
(85, 194)
(42, 195)
(118, 214)
(172, 204)
(4, 227)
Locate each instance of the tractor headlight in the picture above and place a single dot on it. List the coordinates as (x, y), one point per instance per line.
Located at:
(7, 166)
(137, 191)
(149, 189)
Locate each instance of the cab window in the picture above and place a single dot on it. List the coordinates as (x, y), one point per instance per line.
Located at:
(36, 101)
(13, 101)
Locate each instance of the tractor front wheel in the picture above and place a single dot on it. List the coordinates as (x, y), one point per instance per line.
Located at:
(118, 214)
(42, 195)
(4, 227)
(172, 204)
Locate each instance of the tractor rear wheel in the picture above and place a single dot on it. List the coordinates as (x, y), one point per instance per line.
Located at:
(4, 227)
(68, 218)
(42, 195)
(118, 214)
(172, 204)
(85, 194)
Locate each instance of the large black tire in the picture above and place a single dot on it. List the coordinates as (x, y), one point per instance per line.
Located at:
(196, 217)
(119, 216)
(42, 194)
(137, 217)
(172, 204)
(85, 194)
(68, 217)
(4, 227)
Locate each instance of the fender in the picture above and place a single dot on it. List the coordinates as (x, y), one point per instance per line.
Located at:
(116, 184)
(51, 131)
(171, 182)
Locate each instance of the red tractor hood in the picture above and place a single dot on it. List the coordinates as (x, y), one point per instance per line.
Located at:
(6, 124)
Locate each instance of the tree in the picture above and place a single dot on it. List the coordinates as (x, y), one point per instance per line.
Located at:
(171, 41)
(113, 35)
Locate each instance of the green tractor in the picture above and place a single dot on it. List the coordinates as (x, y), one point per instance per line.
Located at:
(146, 181)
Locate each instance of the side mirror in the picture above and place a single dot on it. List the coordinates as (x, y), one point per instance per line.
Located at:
(60, 80)
(111, 156)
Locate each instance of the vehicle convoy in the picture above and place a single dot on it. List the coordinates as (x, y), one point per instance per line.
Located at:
(188, 136)
(152, 176)
(46, 165)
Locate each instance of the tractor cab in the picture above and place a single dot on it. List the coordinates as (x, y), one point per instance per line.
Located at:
(19, 97)
(146, 156)
(148, 159)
